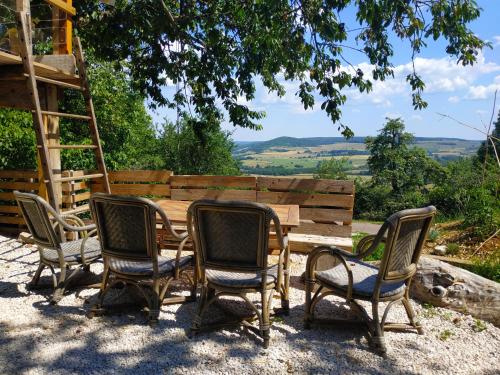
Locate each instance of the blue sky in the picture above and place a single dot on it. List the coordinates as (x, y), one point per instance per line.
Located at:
(466, 93)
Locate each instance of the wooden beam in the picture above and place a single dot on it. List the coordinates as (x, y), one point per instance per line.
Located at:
(65, 7)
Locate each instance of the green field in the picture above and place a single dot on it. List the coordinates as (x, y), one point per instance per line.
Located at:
(300, 156)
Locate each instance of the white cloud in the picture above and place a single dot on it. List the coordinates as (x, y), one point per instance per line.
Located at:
(484, 91)
(417, 118)
(440, 76)
(496, 41)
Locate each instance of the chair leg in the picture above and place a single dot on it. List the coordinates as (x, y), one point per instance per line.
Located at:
(285, 298)
(265, 324)
(97, 308)
(377, 339)
(411, 315)
(61, 287)
(307, 309)
(36, 277)
(154, 308)
(196, 325)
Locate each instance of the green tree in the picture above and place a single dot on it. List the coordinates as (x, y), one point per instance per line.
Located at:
(392, 161)
(190, 147)
(214, 51)
(333, 168)
(486, 151)
(17, 140)
(127, 133)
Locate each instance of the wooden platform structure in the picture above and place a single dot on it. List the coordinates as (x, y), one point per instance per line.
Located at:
(34, 83)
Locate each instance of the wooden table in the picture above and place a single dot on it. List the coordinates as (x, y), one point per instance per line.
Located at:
(177, 213)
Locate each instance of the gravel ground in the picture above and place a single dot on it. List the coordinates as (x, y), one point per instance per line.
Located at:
(36, 337)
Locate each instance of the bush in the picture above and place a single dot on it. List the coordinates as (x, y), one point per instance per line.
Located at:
(452, 248)
(489, 267)
(479, 212)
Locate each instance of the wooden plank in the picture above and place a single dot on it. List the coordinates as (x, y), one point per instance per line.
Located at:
(40, 69)
(321, 229)
(9, 210)
(65, 63)
(304, 199)
(139, 176)
(11, 220)
(18, 173)
(78, 185)
(74, 178)
(304, 243)
(77, 197)
(325, 215)
(7, 196)
(62, 6)
(194, 194)
(177, 212)
(136, 189)
(14, 95)
(77, 210)
(213, 181)
(79, 173)
(18, 185)
(305, 185)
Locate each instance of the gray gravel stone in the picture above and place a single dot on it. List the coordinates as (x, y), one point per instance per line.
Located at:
(38, 338)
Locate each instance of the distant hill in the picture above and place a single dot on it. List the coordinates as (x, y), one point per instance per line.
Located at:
(431, 144)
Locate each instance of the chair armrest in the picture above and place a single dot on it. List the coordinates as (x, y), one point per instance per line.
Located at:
(312, 260)
(282, 239)
(168, 225)
(61, 220)
(369, 244)
(82, 246)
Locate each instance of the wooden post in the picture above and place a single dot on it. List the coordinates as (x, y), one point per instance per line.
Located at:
(22, 5)
(62, 45)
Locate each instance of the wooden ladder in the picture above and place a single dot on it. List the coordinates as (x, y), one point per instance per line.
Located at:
(43, 148)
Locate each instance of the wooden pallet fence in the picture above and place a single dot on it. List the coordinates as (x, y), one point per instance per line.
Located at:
(75, 193)
(10, 180)
(190, 188)
(326, 208)
(151, 184)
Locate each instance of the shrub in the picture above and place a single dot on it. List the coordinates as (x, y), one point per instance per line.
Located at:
(489, 267)
(479, 212)
(433, 235)
(452, 248)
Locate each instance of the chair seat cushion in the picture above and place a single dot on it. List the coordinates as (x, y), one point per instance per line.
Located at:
(166, 266)
(240, 279)
(71, 251)
(364, 279)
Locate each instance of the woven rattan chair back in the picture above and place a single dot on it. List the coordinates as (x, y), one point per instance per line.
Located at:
(126, 226)
(231, 234)
(37, 219)
(407, 231)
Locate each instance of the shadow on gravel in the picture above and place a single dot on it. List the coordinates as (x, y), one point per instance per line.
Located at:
(63, 340)
(10, 290)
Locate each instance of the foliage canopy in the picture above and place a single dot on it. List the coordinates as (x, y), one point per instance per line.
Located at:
(214, 51)
(393, 161)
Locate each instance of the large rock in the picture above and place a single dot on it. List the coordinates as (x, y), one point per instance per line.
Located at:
(444, 285)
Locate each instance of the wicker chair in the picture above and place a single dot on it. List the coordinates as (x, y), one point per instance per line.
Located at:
(354, 279)
(55, 251)
(127, 231)
(231, 239)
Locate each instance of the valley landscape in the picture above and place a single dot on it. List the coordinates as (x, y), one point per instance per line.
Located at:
(287, 156)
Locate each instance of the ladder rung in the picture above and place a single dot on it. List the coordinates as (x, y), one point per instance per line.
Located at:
(58, 83)
(70, 147)
(74, 211)
(75, 178)
(68, 115)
